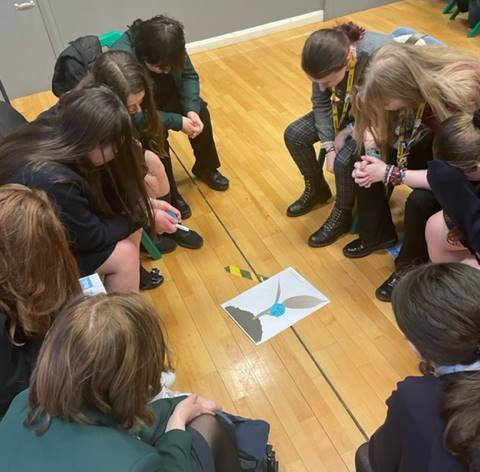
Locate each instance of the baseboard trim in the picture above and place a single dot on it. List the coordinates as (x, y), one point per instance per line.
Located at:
(256, 31)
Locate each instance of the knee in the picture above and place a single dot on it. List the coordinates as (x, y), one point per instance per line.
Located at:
(343, 165)
(128, 252)
(419, 201)
(294, 137)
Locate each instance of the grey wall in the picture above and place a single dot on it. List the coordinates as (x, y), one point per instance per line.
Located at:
(201, 18)
(334, 8)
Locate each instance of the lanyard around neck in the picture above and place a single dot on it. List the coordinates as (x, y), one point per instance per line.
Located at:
(348, 97)
(404, 144)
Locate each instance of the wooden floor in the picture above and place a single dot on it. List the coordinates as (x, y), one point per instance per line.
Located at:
(322, 384)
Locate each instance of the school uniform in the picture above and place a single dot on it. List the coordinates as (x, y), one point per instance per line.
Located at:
(459, 200)
(92, 237)
(100, 447)
(411, 439)
(17, 362)
(177, 93)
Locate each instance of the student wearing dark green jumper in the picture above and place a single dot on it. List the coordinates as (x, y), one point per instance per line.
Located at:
(159, 44)
(88, 407)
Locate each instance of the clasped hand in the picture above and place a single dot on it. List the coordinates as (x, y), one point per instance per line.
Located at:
(192, 125)
(368, 171)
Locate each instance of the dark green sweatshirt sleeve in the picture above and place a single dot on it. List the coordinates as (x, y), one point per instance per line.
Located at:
(175, 446)
(190, 88)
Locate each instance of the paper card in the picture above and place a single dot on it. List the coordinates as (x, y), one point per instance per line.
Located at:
(92, 284)
(274, 305)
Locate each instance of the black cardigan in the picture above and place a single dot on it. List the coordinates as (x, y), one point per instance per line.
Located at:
(458, 199)
(92, 237)
(16, 365)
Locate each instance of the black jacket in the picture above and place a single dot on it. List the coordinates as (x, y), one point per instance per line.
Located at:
(411, 439)
(74, 62)
(16, 365)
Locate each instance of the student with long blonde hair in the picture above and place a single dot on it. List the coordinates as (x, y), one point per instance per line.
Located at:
(88, 407)
(38, 276)
(405, 92)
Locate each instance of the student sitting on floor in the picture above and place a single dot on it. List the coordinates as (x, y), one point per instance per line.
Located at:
(404, 84)
(159, 44)
(38, 275)
(122, 72)
(89, 164)
(88, 407)
(433, 421)
(453, 234)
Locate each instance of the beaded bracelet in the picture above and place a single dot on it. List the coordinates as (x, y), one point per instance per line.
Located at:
(388, 173)
(397, 175)
(330, 149)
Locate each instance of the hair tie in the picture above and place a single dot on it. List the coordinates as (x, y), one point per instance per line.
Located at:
(476, 118)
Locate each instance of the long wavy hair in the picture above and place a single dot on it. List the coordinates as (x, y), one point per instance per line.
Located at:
(437, 306)
(447, 80)
(38, 273)
(104, 355)
(123, 73)
(87, 119)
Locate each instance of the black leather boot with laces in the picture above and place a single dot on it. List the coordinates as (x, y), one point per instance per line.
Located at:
(337, 223)
(316, 191)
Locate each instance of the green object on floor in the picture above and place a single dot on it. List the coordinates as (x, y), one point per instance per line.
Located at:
(474, 31)
(150, 246)
(449, 7)
(108, 38)
(455, 13)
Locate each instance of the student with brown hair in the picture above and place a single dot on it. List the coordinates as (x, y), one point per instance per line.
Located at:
(433, 421)
(332, 58)
(159, 44)
(88, 407)
(38, 276)
(453, 234)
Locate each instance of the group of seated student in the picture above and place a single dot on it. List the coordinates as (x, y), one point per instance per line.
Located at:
(378, 105)
(79, 374)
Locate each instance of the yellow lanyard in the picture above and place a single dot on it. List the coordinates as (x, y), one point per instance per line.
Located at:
(403, 148)
(348, 97)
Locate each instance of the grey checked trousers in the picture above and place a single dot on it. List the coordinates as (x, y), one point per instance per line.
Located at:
(300, 136)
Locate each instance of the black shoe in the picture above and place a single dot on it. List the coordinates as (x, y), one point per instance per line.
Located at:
(189, 239)
(149, 280)
(384, 292)
(214, 179)
(337, 223)
(165, 244)
(316, 191)
(182, 206)
(357, 248)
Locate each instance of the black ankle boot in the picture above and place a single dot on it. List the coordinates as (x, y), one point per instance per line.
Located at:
(338, 223)
(316, 191)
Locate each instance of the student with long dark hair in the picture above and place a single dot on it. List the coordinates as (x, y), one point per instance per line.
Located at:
(87, 161)
(332, 59)
(89, 405)
(122, 72)
(433, 421)
(38, 276)
(159, 44)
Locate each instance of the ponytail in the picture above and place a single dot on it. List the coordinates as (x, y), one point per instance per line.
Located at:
(461, 412)
(352, 31)
(328, 50)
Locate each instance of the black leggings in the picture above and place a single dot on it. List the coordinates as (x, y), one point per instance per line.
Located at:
(214, 450)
